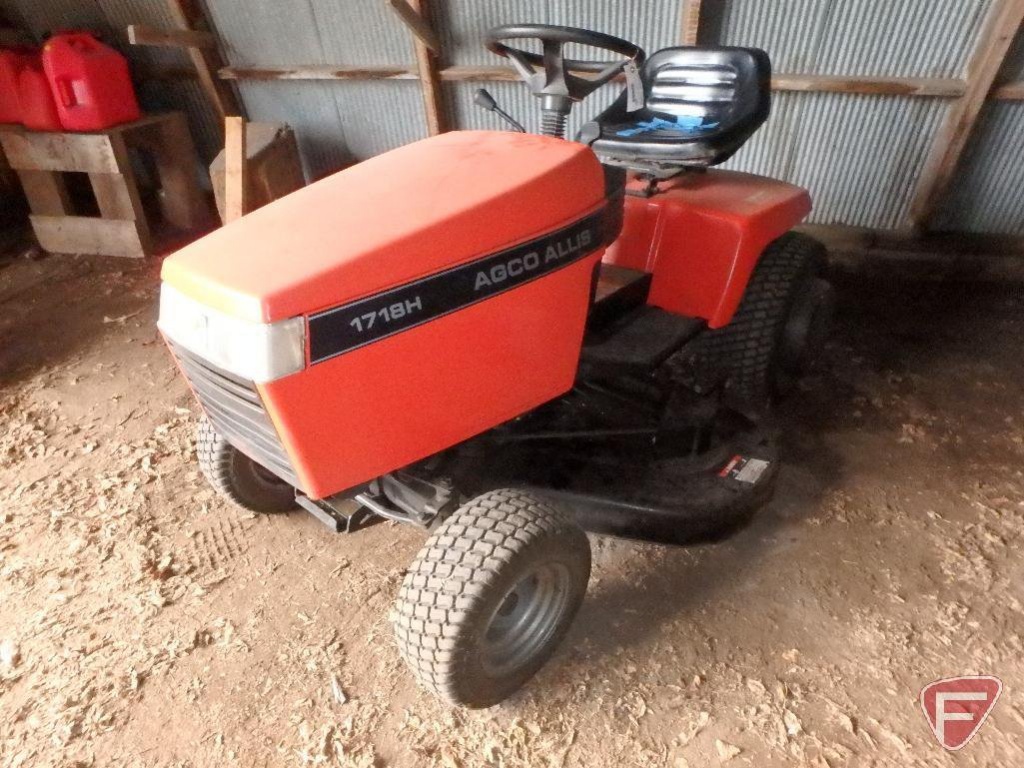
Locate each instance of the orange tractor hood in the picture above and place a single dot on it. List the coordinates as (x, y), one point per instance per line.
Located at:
(399, 216)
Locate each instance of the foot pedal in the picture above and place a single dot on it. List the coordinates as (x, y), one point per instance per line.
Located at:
(638, 342)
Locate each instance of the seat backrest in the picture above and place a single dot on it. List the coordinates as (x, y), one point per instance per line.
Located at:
(723, 88)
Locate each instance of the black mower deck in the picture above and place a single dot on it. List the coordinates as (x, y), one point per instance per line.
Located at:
(621, 486)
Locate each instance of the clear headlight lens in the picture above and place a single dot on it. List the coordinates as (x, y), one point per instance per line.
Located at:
(259, 352)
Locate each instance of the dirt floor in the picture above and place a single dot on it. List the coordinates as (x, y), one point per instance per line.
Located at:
(143, 622)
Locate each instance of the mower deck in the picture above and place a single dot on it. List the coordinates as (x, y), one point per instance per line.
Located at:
(620, 486)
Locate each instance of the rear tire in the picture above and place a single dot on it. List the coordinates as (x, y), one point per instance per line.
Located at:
(490, 596)
(779, 326)
(238, 478)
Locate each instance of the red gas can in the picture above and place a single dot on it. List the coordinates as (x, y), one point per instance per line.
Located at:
(12, 60)
(38, 109)
(90, 81)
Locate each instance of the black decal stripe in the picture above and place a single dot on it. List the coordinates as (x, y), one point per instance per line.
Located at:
(342, 329)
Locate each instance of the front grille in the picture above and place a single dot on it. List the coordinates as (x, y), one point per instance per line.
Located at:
(235, 409)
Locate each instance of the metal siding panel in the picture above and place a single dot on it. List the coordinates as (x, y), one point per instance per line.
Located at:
(267, 32)
(1013, 66)
(987, 194)
(311, 110)
(378, 116)
(340, 123)
(363, 33)
(463, 23)
(911, 38)
(43, 16)
(858, 155)
(515, 98)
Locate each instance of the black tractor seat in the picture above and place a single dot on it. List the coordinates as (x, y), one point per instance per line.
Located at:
(700, 105)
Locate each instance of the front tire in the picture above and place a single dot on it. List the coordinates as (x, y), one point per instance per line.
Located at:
(490, 596)
(238, 478)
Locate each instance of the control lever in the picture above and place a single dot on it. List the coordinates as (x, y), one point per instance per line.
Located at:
(482, 98)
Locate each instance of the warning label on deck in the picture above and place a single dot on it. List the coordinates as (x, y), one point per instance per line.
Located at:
(744, 469)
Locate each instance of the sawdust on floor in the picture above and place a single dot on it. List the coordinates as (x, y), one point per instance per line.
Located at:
(144, 622)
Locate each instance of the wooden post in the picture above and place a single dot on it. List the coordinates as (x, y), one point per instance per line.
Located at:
(236, 185)
(430, 82)
(691, 21)
(997, 33)
(416, 24)
(207, 60)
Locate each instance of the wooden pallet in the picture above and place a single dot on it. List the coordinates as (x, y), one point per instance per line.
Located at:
(121, 229)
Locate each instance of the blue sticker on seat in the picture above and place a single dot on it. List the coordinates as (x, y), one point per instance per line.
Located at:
(682, 124)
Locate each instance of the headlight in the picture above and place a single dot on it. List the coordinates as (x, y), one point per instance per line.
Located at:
(258, 352)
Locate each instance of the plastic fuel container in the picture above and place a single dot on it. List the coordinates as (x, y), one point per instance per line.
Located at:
(11, 62)
(38, 108)
(90, 82)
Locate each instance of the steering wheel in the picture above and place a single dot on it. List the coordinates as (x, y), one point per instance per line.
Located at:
(550, 76)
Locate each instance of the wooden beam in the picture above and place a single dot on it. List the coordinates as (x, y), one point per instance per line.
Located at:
(318, 73)
(691, 21)
(207, 61)
(994, 41)
(236, 185)
(479, 74)
(889, 86)
(416, 24)
(893, 86)
(140, 34)
(1009, 91)
(426, 63)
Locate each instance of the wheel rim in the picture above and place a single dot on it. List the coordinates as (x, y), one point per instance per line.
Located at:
(527, 616)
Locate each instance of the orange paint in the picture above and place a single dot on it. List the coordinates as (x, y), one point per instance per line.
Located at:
(701, 237)
(414, 211)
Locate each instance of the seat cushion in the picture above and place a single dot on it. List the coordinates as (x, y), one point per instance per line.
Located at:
(700, 105)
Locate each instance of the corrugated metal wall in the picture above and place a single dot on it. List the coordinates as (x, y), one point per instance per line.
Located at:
(336, 123)
(906, 38)
(988, 192)
(859, 155)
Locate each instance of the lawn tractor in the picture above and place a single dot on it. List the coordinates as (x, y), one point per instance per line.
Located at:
(506, 339)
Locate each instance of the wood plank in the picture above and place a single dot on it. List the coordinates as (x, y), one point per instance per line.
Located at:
(994, 40)
(46, 192)
(82, 152)
(122, 200)
(113, 196)
(483, 74)
(1009, 91)
(895, 86)
(140, 34)
(87, 234)
(236, 181)
(207, 61)
(691, 22)
(892, 86)
(317, 72)
(426, 63)
(416, 24)
(181, 200)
